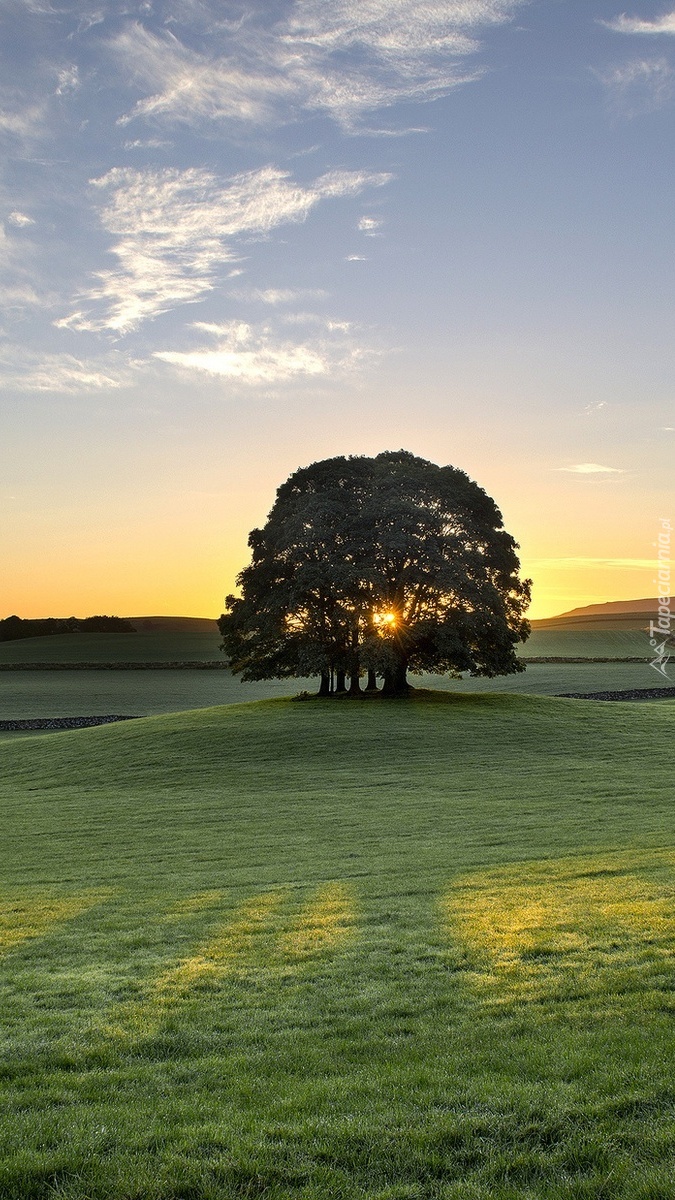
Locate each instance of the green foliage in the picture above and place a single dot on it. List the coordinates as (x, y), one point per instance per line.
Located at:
(343, 951)
(388, 563)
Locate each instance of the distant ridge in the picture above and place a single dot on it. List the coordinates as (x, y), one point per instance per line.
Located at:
(615, 614)
(612, 606)
(175, 624)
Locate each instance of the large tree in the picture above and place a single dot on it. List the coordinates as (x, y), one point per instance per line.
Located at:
(382, 564)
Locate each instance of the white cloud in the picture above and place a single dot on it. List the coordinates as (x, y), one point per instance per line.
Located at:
(314, 319)
(345, 58)
(356, 258)
(596, 407)
(16, 285)
(591, 469)
(640, 86)
(189, 86)
(58, 373)
(19, 295)
(625, 24)
(23, 122)
(146, 144)
(371, 226)
(635, 564)
(68, 81)
(276, 296)
(21, 220)
(175, 231)
(255, 355)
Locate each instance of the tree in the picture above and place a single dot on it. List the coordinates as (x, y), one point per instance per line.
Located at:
(385, 564)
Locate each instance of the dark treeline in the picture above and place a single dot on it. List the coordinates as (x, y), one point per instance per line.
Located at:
(13, 628)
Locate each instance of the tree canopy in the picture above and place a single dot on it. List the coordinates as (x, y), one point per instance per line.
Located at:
(379, 565)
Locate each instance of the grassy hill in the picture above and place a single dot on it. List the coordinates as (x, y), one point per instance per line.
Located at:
(380, 951)
(157, 645)
(619, 615)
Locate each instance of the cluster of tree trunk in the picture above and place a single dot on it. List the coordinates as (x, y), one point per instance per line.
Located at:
(338, 683)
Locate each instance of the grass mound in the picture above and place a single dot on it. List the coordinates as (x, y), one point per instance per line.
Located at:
(379, 951)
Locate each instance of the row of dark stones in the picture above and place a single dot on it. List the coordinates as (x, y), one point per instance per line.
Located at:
(60, 723)
(666, 693)
(208, 665)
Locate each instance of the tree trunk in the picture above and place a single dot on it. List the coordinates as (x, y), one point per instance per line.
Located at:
(371, 685)
(354, 685)
(324, 688)
(340, 682)
(396, 681)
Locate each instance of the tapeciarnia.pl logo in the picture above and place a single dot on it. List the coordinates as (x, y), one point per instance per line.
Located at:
(660, 630)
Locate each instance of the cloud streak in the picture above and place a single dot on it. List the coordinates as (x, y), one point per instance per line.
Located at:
(625, 24)
(256, 355)
(634, 564)
(176, 229)
(640, 86)
(591, 469)
(60, 373)
(345, 59)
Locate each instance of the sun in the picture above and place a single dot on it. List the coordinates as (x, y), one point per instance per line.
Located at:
(387, 618)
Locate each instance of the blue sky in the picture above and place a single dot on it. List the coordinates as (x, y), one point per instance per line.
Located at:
(235, 238)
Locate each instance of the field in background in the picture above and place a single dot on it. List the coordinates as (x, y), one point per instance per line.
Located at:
(27, 694)
(199, 646)
(411, 951)
(155, 646)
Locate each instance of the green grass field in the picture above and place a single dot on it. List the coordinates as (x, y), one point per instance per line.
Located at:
(381, 950)
(145, 693)
(155, 646)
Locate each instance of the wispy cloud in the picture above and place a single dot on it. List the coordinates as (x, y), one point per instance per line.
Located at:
(17, 281)
(68, 80)
(21, 220)
(188, 86)
(640, 86)
(625, 24)
(591, 469)
(346, 58)
(21, 121)
(371, 226)
(61, 373)
(175, 230)
(635, 564)
(256, 355)
(278, 296)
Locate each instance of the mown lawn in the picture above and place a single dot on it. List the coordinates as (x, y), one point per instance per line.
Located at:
(337, 949)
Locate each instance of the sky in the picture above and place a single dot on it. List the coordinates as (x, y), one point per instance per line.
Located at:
(236, 238)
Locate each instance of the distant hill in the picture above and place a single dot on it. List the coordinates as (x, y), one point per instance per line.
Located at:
(174, 624)
(615, 614)
(613, 606)
(13, 629)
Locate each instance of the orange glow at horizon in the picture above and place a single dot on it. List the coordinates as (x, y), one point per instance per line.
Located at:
(140, 550)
